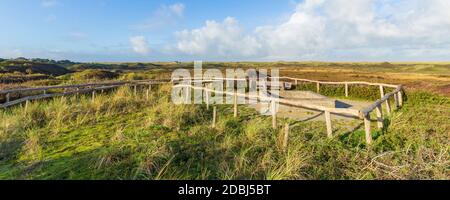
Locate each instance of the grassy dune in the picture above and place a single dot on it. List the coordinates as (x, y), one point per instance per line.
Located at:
(122, 136)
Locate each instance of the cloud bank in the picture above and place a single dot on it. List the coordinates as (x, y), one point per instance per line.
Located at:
(331, 30)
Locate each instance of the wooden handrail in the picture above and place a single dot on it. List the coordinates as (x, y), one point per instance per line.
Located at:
(386, 97)
(346, 111)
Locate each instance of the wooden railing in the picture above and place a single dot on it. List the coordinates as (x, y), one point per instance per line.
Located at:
(68, 90)
(363, 114)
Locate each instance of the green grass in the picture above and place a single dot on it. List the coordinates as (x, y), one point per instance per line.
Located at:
(122, 136)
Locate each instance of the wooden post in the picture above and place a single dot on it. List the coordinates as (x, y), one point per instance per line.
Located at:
(381, 91)
(147, 94)
(187, 94)
(93, 95)
(396, 101)
(7, 97)
(214, 117)
(346, 89)
(388, 107)
(135, 90)
(235, 104)
(286, 136)
(296, 82)
(367, 129)
(400, 98)
(328, 122)
(274, 114)
(318, 87)
(380, 121)
(45, 91)
(26, 105)
(207, 99)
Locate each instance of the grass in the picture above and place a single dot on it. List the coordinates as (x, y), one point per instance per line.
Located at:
(122, 136)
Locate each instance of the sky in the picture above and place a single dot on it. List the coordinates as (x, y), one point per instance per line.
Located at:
(226, 30)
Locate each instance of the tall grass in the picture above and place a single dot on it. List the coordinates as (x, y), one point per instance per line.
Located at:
(120, 135)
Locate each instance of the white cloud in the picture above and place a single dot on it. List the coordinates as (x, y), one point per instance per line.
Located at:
(49, 3)
(140, 45)
(217, 39)
(177, 9)
(164, 16)
(332, 29)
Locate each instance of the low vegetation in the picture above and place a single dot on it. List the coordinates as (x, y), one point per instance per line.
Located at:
(123, 136)
(119, 135)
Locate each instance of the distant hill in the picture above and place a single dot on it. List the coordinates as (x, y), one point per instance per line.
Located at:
(25, 66)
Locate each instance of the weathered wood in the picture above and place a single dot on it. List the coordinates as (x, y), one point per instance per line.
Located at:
(26, 105)
(367, 129)
(274, 114)
(214, 117)
(83, 85)
(286, 136)
(343, 111)
(400, 98)
(93, 95)
(44, 96)
(397, 105)
(380, 121)
(45, 91)
(188, 95)
(135, 90)
(388, 107)
(318, 87)
(378, 102)
(381, 91)
(340, 83)
(207, 99)
(346, 89)
(147, 94)
(296, 82)
(235, 104)
(7, 97)
(328, 122)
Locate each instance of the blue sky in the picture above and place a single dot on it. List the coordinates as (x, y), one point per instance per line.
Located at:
(144, 30)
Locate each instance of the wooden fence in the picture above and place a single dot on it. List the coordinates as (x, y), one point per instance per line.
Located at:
(68, 90)
(363, 114)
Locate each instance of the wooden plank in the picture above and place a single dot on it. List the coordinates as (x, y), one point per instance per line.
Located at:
(274, 114)
(286, 136)
(367, 129)
(397, 105)
(381, 91)
(378, 102)
(235, 104)
(346, 89)
(341, 83)
(93, 96)
(207, 99)
(328, 122)
(214, 117)
(26, 105)
(388, 107)
(380, 121)
(44, 96)
(69, 86)
(344, 111)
